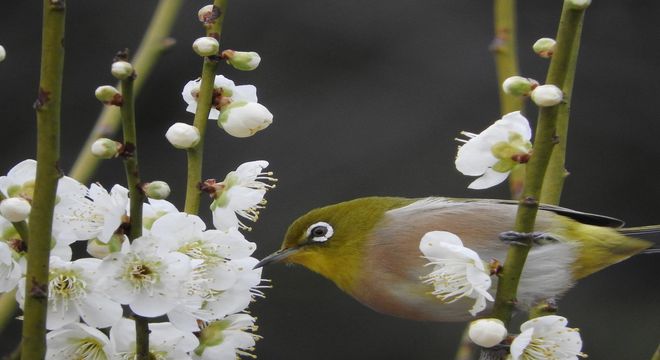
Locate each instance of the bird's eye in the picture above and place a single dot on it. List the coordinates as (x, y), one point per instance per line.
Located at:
(319, 232)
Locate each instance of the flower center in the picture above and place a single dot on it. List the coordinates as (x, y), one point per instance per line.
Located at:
(66, 286)
(143, 274)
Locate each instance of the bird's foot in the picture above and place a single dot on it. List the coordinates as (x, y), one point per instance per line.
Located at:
(525, 239)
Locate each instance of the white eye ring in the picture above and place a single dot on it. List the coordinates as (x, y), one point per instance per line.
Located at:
(319, 232)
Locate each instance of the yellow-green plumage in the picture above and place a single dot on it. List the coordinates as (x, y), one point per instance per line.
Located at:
(373, 253)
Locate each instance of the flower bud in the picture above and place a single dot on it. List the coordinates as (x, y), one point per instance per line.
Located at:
(157, 190)
(206, 46)
(99, 249)
(182, 136)
(108, 95)
(518, 85)
(3, 53)
(578, 4)
(544, 47)
(205, 14)
(121, 69)
(105, 148)
(15, 209)
(242, 60)
(487, 332)
(547, 95)
(243, 119)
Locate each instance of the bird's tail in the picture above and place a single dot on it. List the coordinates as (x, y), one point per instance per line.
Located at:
(649, 232)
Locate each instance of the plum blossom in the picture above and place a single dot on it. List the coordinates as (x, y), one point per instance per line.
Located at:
(547, 337)
(77, 341)
(145, 277)
(458, 272)
(224, 89)
(241, 193)
(494, 152)
(166, 342)
(220, 278)
(225, 339)
(87, 214)
(73, 292)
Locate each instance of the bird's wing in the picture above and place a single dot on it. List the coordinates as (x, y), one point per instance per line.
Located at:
(582, 217)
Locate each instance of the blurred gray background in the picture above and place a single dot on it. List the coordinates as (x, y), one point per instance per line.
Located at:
(368, 96)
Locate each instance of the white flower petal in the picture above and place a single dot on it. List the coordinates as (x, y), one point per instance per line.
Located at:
(520, 343)
(245, 93)
(489, 179)
(99, 311)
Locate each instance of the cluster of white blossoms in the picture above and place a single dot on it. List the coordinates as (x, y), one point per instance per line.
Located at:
(458, 272)
(234, 106)
(201, 279)
(545, 337)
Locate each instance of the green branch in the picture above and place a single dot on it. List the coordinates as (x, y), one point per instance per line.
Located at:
(544, 142)
(47, 107)
(136, 196)
(504, 48)
(204, 103)
(153, 44)
(565, 63)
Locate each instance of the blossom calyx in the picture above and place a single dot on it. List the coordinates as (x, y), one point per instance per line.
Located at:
(545, 47)
(243, 119)
(547, 95)
(182, 136)
(242, 60)
(105, 148)
(15, 209)
(109, 95)
(158, 190)
(206, 46)
(519, 86)
(487, 332)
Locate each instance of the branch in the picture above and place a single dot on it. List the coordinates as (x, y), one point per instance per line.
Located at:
(47, 107)
(504, 48)
(136, 196)
(545, 139)
(204, 103)
(154, 43)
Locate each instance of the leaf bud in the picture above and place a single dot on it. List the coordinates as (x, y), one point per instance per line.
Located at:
(547, 95)
(518, 85)
(544, 47)
(105, 148)
(15, 209)
(487, 332)
(242, 60)
(157, 190)
(206, 46)
(108, 95)
(121, 69)
(182, 136)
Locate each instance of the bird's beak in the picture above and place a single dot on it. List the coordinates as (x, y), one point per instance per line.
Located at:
(277, 256)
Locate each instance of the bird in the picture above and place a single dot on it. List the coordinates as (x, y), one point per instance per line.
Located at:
(370, 248)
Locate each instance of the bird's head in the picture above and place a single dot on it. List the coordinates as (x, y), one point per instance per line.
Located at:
(331, 240)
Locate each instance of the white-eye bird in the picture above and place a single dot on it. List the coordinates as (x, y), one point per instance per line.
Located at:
(370, 248)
